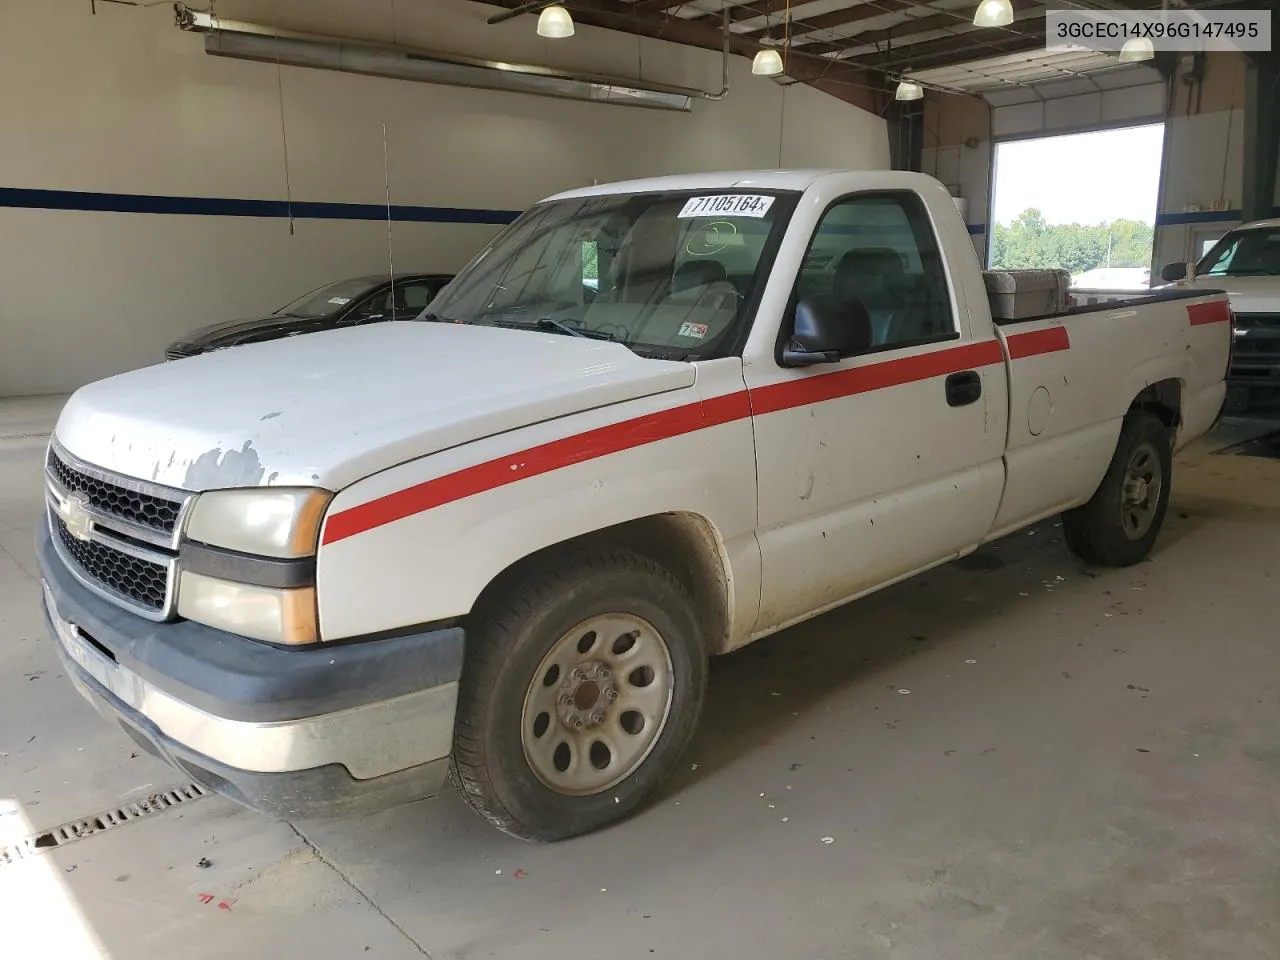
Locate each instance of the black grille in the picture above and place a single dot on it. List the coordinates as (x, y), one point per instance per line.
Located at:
(1255, 321)
(140, 508)
(142, 581)
(1256, 345)
(178, 352)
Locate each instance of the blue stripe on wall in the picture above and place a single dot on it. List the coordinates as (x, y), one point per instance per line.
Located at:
(1203, 216)
(318, 210)
(1200, 216)
(231, 207)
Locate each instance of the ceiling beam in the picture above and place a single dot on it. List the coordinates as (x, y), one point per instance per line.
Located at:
(971, 43)
(837, 18)
(660, 5)
(855, 86)
(901, 34)
(947, 52)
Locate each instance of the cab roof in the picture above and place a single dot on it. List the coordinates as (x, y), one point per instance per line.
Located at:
(797, 180)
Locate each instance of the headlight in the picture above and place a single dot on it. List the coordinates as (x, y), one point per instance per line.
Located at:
(263, 521)
(263, 613)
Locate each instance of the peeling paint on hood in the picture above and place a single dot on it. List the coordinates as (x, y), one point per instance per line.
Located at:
(225, 468)
(331, 408)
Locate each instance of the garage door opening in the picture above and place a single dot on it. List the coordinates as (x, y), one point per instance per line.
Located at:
(1081, 202)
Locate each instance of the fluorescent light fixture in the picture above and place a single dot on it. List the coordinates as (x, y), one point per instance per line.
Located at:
(250, 41)
(993, 13)
(908, 91)
(767, 63)
(554, 22)
(1136, 49)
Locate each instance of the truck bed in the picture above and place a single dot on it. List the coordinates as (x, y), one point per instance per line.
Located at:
(1177, 293)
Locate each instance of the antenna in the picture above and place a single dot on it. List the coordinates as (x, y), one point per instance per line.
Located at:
(386, 181)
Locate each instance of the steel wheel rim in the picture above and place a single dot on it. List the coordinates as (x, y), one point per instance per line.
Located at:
(1140, 491)
(597, 704)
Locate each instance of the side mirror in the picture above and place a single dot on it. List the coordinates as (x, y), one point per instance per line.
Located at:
(1173, 272)
(823, 332)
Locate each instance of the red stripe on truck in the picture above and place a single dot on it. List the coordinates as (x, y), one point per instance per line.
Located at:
(1219, 311)
(1035, 342)
(664, 425)
(543, 458)
(873, 376)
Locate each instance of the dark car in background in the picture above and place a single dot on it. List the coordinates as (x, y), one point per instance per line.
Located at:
(342, 304)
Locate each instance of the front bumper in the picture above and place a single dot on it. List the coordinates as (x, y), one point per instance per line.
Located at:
(317, 732)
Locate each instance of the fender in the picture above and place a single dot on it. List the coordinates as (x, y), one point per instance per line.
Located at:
(1149, 373)
(432, 564)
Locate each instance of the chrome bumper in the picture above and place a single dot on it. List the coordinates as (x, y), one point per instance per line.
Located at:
(369, 741)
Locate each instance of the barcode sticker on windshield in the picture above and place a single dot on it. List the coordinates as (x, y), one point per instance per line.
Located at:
(340, 301)
(727, 205)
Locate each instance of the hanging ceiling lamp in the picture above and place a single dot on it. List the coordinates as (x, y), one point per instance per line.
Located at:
(993, 13)
(767, 63)
(554, 22)
(908, 90)
(1136, 49)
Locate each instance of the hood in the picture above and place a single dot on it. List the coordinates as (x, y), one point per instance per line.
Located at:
(1247, 294)
(329, 409)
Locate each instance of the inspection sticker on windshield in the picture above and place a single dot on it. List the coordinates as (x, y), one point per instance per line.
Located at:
(696, 330)
(727, 205)
(340, 301)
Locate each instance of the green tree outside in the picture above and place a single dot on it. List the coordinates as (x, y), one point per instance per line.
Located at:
(1029, 243)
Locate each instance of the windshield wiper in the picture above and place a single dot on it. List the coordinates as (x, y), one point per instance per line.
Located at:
(547, 323)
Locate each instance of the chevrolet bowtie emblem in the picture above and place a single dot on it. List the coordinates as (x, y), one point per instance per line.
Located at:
(76, 517)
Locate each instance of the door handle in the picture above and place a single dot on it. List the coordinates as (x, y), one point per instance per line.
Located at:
(963, 388)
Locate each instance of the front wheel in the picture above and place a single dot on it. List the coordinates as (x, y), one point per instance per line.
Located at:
(1119, 525)
(582, 686)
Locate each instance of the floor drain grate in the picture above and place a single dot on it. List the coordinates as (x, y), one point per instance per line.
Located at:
(1267, 445)
(154, 804)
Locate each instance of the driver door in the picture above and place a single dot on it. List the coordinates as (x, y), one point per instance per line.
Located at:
(883, 463)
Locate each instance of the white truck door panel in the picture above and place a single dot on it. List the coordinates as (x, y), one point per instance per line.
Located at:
(866, 473)
(878, 482)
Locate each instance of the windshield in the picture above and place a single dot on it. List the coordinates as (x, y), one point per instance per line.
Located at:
(1244, 253)
(671, 275)
(328, 300)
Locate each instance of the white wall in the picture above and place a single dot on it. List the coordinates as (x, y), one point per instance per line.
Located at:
(964, 170)
(1204, 166)
(125, 103)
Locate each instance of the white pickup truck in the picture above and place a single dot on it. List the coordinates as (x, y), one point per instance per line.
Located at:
(1245, 264)
(649, 423)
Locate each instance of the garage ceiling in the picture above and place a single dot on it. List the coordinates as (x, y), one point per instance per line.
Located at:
(850, 47)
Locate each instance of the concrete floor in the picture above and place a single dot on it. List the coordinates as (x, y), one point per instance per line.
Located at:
(1010, 757)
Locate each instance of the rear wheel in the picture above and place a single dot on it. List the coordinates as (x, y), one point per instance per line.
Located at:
(1120, 523)
(582, 686)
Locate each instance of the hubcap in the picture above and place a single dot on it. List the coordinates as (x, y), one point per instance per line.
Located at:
(597, 704)
(1140, 492)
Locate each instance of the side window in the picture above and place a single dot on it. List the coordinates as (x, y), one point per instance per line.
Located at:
(879, 250)
(403, 302)
(412, 298)
(377, 307)
(591, 264)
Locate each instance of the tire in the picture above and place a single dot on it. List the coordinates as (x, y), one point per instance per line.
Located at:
(1120, 523)
(543, 656)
